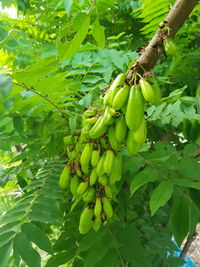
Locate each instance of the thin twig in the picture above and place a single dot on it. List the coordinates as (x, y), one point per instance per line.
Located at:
(43, 96)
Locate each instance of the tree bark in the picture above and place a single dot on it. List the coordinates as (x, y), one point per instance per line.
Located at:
(174, 20)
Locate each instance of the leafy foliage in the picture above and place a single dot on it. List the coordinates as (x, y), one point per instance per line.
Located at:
(58, 57)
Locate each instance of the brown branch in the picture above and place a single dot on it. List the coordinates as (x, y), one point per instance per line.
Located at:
(43, 96)
(187, 245)
(174, 20)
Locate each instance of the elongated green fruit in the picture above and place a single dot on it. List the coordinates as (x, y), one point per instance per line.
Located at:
(157, 92)
(98, 129)
(74, 182)
(100, 170)
(112, 139)
(108, 115)
(97, 223)
(147, 90)
(107, 207)
(170, 47)
(102, 179)
(116, 170)
(85, 169)
(82, 187)
(95, 157)
(86, 155)
(108, 161)
(91, 111)
(120, 129)
(78, 172)
(141, 134)
(98, 207)
(121, 97)
(65, 177)
(85, 132)
(135, 108)
(91, 120)
(93, 176)
(132, 145)
(86, 221)
(108, 191)
(89, 195)
(105, 99)
(114, 88)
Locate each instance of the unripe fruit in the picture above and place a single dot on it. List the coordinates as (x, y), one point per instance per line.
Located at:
(98, 129)
(114, 88)
(102, 179)
(86, 155)
(82, 187)
(108, 161)
(74, 182)
(91, 120)
(100, 170)
(86, 221)
(107, 207)
(108, 115)
(116, 170)
(108, 192)
(141, 134)
(65, 177)
(93, 176)
(147, 91)
(121, 97)
(112, 139)
(132, 146)
(95, 157)
(98, 207)
(97, 223)
(120, 129)
(157, 92)
(135, 108)
(89, 195)
(85, 132)
(170, 47)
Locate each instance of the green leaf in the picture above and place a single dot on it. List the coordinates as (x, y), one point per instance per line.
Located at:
(110, 259)
(5, 85)
(26, 251)
(97, 252)
(160, 196)
(98, 34)
(194, 213)
(90, 240)
(179, 218)
(6, 237)
(145, 176)
(18, 124)
(161, 155)
(61, 258)
(132, 249)
(5, 253)
(68, 49)
(67, 5)
(36, 235)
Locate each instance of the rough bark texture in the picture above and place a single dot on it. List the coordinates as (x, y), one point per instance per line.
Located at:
(174, 20)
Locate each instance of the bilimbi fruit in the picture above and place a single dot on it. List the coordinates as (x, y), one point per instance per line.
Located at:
(94, 164)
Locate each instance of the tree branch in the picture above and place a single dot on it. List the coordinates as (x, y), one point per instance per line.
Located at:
(174, 20)
(187, 245)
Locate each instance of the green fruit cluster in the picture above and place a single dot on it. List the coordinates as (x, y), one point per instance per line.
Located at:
(95, 164)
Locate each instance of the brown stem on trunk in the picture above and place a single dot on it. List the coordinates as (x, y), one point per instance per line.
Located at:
(174, 20)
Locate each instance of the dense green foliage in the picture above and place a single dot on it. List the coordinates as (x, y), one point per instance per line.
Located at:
(56, 58)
